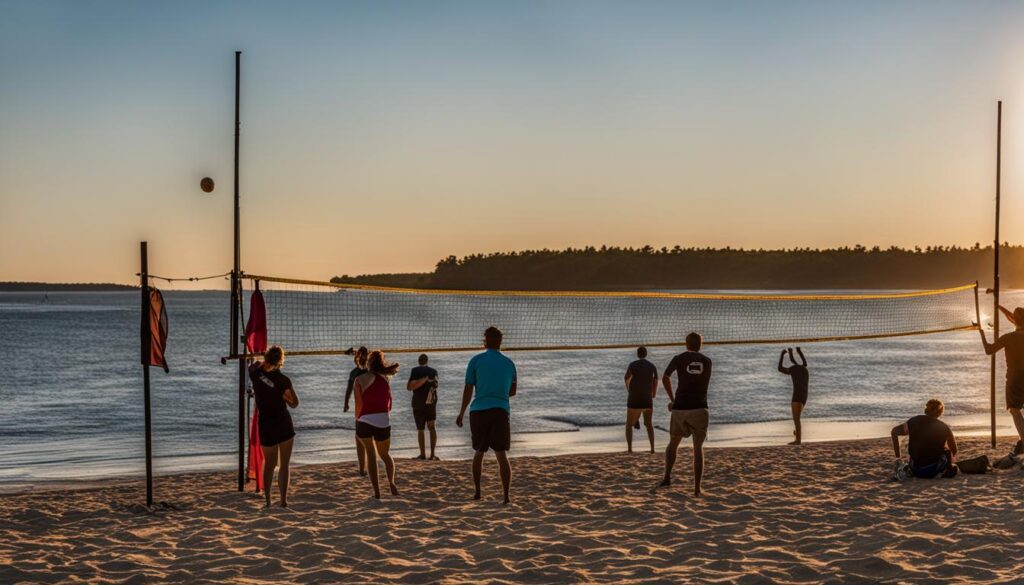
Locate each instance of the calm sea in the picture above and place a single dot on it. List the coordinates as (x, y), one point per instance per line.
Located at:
(72, 393)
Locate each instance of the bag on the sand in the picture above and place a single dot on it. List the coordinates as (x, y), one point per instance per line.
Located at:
(1006, 462)
(979, 464)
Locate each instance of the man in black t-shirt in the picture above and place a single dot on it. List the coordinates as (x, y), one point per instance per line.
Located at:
(689, 407)
(929, 439)
(423, 385)
(1013, 343)
(642, 385)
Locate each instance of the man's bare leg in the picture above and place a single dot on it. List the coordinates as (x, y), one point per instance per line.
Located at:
(629, 430)
(269, 463)
(478, 465)
(670, 458)
(798, 408)
(649, 423)
(423, 447)
(698, 464)
(361, 455)
(283, 476)
(433, 438)
(505, 469)
(1018, 421)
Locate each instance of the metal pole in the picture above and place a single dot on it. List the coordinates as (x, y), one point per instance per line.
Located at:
(147, 352)
(995, 267)
(236, 285)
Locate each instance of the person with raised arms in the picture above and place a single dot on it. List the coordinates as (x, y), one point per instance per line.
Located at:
(1013, 343)
(800, 376)
(689, 407)
(274, 396)
(358, 370)
(490, 381)
(641, 387)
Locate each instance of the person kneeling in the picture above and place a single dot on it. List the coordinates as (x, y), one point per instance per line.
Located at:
(927, 448)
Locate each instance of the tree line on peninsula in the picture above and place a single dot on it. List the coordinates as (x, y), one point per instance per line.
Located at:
(625, 268)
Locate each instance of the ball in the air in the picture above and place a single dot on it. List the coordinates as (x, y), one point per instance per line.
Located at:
(206, 185)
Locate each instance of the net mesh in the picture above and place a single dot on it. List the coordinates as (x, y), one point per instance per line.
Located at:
(310, 318)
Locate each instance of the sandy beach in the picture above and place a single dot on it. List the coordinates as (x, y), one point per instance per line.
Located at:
(822, 511)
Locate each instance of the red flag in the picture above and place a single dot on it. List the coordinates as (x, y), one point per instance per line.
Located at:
(256, 327)
(155, 324)
(256, 342)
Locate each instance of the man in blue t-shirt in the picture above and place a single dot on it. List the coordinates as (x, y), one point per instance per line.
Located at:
(423, 385)
(493, 376)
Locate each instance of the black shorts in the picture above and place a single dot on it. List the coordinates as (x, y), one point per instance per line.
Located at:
(800, 397)
(490, 429)
(365, 430)
(424, 414)
(275, 432)
(1015, 396)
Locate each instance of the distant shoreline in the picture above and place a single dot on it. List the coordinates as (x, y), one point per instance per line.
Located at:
(45, 287)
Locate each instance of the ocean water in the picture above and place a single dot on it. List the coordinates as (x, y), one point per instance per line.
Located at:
(72, 406)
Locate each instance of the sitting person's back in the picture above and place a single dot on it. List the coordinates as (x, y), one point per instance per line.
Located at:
(929, 439)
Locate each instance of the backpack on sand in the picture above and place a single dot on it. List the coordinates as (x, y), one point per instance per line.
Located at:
(979, 464)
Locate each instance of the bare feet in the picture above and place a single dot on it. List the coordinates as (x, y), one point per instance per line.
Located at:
(793, 443)
(667, 482)
(435, 458)
(476, 496)
(394, 490)
(420, 457)
(507, 500)
(362, 473)
(696, 493)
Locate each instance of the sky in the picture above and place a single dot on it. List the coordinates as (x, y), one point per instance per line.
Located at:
(384, 136)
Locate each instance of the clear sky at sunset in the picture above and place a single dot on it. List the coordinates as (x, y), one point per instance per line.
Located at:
(383, 136)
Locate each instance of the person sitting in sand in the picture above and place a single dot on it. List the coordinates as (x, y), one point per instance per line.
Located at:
(932, 446)
(274, 395)
(359, 370)
(800, 376)
(373, 418)
(1013, 343)
(642, 386)
(490, 382)
(689, 407)
(423, 385)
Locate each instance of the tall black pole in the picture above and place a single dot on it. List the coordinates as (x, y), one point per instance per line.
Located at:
(147, 351)
(995, 267)
(236, 290)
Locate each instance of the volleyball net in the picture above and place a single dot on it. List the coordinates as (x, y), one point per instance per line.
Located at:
(324, 318)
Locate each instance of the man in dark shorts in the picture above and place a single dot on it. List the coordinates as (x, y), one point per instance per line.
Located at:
(642, 385)
(423, 385)
(801, 377)
(360, 368)
(689, 407)
(1013, 343)
(493, 377)
(929, 439)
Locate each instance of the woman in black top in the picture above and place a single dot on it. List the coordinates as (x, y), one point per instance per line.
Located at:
(274, 395)
(800, 376)
(359, 370)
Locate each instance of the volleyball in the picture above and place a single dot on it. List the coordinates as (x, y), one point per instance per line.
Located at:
(206, 185)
